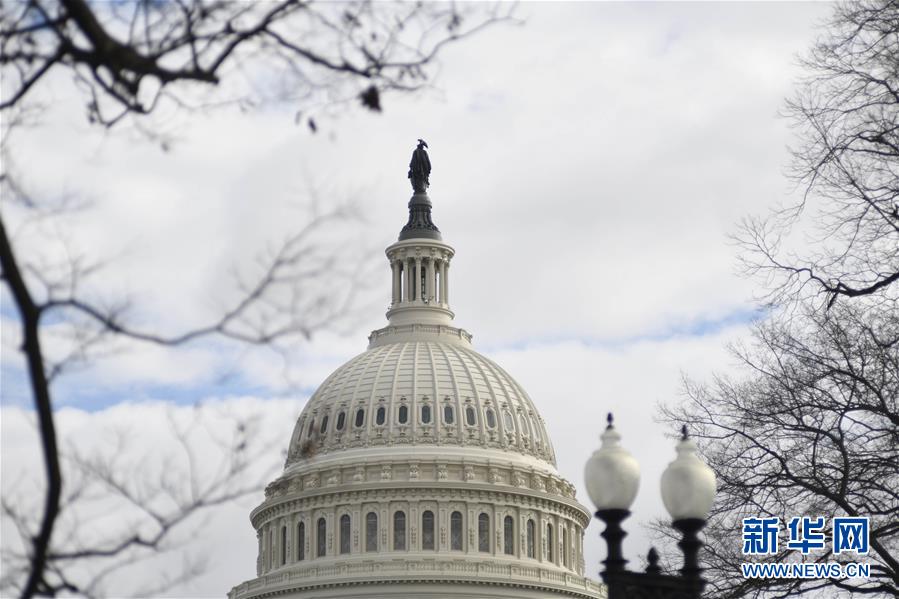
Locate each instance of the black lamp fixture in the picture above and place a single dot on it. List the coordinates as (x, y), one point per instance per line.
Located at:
(612, 476)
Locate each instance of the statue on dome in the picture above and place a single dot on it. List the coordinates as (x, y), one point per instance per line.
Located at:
(420, 168)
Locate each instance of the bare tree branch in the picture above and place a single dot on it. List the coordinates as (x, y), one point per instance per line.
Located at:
(846, 158)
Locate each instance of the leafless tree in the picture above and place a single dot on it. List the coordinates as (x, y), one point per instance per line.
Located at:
(809, 428)
(842, 238)
(123, 508)
(131, 60)
(295, 289)
(128, 57)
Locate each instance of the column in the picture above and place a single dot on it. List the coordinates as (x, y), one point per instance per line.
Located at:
(446, 282)
(395, 279)
(259, 555)
(418, 291)
(429, 290)
(407, 268)
(442, 290)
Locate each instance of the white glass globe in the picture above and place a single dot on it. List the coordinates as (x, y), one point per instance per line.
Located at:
(612, 474)
(688, 484)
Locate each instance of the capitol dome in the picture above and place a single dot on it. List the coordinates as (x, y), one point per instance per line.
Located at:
(419, 468)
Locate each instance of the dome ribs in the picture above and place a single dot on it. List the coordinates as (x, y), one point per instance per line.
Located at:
(389, 350)
(426, 371)
(393, 397)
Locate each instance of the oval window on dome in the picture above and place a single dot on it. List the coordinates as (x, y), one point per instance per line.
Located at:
(311, 427)
(426, 414)
(448, 415)
(469, 416)
(360, 417)
(341, 421)
(324, 427)
(509, 421)
(403, 415)
(380, 415)
(491, 419)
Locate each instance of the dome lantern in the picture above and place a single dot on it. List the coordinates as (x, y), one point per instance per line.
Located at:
(419, 265)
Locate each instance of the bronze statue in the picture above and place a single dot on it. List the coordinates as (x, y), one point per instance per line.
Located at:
(420, 168)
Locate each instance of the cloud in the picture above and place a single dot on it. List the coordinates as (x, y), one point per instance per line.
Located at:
(588, 167)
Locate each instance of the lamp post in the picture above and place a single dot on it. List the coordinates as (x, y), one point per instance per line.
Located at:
(612, 476)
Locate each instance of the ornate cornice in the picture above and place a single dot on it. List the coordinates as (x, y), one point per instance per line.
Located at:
(273, 509)
(454, 572)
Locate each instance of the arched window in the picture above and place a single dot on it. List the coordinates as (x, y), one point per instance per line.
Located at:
(283, 545)
(448, 415)
(549, 543)
(371, 532)
(530, 538)
(321, 540)
(381, 415)
(491, 419)
(523, 421)
(427, 530)
(341, 421)
(324, 426)
(311, 427)
(360, 417)
(301, 541)
(565, 547)
(456, 531)
(345, 533)
(403, 415)
(425, 414)
(470, 416)
(484, 533)
(399, 531)
(508, 535)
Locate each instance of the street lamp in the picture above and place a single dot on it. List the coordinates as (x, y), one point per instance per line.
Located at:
(612, 476)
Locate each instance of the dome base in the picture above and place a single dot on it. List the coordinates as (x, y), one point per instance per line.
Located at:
(420, 577)
(419, 332)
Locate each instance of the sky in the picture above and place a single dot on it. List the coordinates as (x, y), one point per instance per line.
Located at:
(589, 165)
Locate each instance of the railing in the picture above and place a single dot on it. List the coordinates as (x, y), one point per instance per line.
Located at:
(420, 328)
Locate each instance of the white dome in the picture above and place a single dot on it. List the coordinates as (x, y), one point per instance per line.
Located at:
(432, 393)
(419, 468)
